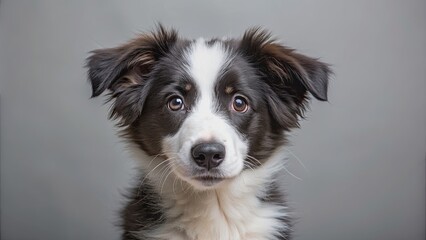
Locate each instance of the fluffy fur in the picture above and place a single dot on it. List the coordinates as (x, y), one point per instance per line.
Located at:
(237, 98)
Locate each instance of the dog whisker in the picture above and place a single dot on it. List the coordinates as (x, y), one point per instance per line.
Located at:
(297, 159)
(165, 179)
(255, 159)
(152, 170)
(288, 171)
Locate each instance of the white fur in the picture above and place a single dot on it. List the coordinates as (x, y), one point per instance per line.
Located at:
(231, 212)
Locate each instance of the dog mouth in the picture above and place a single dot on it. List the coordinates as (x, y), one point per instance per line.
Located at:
(209, 180)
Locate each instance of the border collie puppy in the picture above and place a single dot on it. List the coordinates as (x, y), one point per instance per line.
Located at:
(207, 120)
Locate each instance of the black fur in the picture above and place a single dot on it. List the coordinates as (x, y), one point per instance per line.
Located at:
(142, 74)
(143, 211)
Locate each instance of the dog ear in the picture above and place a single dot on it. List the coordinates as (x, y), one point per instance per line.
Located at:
(289, 75)
(123, 71)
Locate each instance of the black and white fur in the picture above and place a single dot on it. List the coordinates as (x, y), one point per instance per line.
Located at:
(170, 94)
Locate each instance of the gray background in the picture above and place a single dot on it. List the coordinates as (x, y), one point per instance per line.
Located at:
(62, 167)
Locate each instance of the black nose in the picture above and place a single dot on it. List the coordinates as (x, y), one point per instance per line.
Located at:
(208, 155)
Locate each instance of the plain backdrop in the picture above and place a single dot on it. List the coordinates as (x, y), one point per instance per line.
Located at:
(357, 164)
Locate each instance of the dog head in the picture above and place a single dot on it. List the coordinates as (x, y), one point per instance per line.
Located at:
(210, 108)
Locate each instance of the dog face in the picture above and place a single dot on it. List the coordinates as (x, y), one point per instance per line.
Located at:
(210, 108)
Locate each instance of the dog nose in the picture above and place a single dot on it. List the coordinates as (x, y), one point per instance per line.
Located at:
(208, 155)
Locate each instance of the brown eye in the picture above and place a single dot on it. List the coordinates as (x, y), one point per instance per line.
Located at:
(175, 104)
(239, 104)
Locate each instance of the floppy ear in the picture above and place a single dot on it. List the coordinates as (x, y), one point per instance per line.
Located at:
(123, 71)
(290, 75)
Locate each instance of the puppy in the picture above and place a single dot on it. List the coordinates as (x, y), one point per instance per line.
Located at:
(207, 121)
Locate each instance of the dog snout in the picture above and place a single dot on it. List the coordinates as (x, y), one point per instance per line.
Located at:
(208, 155)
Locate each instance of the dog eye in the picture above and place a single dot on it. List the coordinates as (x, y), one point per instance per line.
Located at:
(239, 104)
(175, 104)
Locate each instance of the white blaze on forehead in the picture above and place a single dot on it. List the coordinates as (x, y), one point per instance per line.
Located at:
(205, 64)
